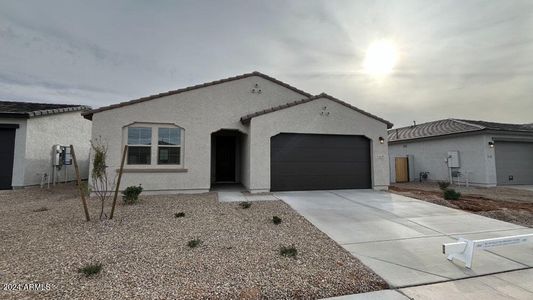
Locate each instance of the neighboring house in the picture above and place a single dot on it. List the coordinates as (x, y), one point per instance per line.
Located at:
(250, 129)
(28, 131)
(482, 153)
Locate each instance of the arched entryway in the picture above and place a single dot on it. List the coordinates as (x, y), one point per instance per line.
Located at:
(227, 157)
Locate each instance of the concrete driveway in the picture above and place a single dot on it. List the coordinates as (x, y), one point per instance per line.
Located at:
(401, 238)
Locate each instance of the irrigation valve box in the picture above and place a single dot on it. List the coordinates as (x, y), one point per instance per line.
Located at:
(453, 159)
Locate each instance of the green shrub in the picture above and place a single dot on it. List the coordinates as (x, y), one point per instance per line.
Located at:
(276, 220)
(91, 269)
(245, 204)
(179, 215)
(443, 185)
(451, 194)
(194, 243)
(288, 251)
(131, 194)
(44, 208)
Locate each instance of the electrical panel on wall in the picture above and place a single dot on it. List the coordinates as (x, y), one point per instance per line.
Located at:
(453, 159)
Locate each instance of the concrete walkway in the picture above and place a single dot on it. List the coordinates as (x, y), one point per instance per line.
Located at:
(231, 196)
(401, 238)
(509, 285)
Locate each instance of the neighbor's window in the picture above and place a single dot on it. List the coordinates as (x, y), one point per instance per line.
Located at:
(139, 145)
(169, 146)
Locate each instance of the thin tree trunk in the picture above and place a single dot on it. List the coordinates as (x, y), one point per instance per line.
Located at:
(118, 181)
(82, 192)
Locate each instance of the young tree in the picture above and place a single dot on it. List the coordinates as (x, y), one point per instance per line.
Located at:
(101, 186)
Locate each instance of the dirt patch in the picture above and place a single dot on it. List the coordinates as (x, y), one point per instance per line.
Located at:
(144, 252)
(514, 211)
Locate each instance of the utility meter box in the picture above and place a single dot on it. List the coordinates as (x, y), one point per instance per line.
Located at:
(66, 155)
(453, 159)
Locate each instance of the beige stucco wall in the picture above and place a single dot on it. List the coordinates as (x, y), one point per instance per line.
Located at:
(307, 118)
(199, 112)
(44, 132)
(20, 150)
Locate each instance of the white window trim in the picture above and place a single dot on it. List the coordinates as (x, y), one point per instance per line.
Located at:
(154, 147)
(140, 145)
(169, 146)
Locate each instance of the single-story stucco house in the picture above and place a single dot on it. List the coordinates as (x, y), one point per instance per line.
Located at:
(482, 153)
(250, 129)
(28, 132)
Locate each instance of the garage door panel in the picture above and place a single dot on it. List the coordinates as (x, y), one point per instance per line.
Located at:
(319, 162)
(319, 168)
(322, 154)
(7, 148)
(514, 162)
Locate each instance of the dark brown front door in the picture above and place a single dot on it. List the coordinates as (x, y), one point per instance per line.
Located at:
(225, 159)
(7, 152)
(319, 162)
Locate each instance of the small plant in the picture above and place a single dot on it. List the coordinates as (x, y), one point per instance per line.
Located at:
(451, 194)
(443, 185)
(44, 208)
(91, 269)
(245, 204)
(290, 251)
(276, 220)
(179, 215)
(131, 194)
(194, 243)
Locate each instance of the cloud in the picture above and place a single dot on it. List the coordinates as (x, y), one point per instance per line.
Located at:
(454, 55)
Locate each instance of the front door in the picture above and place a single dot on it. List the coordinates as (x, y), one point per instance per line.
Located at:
(402, 169)
(7, 152)
(225, 159)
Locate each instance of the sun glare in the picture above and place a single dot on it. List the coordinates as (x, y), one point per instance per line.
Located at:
(380, 58)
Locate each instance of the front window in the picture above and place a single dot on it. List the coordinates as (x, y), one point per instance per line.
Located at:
(169, 146)
(139, 145)
(154, 144)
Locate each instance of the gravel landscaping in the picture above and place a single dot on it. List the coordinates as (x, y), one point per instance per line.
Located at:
(144, 251)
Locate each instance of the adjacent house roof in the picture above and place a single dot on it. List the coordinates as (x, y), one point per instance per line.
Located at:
(246, 119)
(89, 114)
(14, 109)
(452, 126)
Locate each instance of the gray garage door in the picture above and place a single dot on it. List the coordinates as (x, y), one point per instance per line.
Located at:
(319, 162)
(514, 162)
(7, 148)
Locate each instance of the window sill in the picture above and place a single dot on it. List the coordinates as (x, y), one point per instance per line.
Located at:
(153, 170)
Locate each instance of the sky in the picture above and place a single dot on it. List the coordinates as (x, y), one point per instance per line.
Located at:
(456, 59)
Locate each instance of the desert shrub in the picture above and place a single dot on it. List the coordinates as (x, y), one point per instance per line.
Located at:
(245, 204)
(289, 251)
(276, 220)
(90, 269)
(131, 194)
(194, 243)
(179, 215)
(44, 208)
(451, 194)
(443, 185)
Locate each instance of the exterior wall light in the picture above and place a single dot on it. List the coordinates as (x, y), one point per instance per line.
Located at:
(491, 144)
(381, 140)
